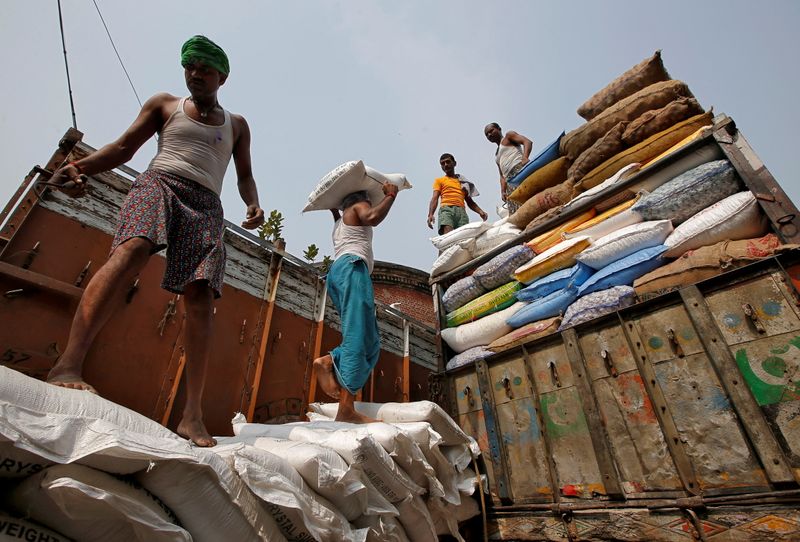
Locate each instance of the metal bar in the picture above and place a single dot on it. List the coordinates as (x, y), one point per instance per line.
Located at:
(22, 210)
(271, 292)
(682, 462)
(176, 382)
(605, 460)
(498, 458)
(439, 318)
(780, 209)
(406, 363)
(40, 282)
(761, 437)
(320, 300)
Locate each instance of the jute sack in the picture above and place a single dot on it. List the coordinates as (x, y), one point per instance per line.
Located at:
(709, 261)
(15, 529)
(87, 504)
(658, 120)
(655, 96)
(645, 150)
(526, 333)
(601, 150)
(550, 175)
(645, 73)
(542, 202)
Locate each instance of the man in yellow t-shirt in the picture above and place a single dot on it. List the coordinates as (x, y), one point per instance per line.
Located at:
(454, 190)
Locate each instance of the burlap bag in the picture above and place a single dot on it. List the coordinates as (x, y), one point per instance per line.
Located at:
(659, 120)
(653, 97)
(600, 151)
(648, 71)
(542, 202)
(709, 261)
(548, 176)
(644, 150)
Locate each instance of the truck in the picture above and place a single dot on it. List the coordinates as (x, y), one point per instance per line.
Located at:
(675, 418)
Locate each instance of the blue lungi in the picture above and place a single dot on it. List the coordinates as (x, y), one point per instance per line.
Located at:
(350, 289)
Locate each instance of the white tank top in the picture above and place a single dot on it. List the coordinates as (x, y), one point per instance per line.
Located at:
(194, 150)
(507, 156)
(356, 240)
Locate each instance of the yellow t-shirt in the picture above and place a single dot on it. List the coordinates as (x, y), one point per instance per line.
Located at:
(450, 191)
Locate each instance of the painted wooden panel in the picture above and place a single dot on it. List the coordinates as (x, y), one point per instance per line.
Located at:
(654, 329)
(550, 367)
(708, 426)
(771, 307)
(606, 351)
(468, 396)
(571, 444)
(525, 450)
(771, 368)
(509, 380)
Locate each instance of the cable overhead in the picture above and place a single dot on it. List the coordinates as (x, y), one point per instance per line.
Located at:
(115, 50)
(66, 66)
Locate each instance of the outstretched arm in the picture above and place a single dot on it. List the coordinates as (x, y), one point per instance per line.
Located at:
(432, 208)
(244, 173)
(147, 123)
(519, 139)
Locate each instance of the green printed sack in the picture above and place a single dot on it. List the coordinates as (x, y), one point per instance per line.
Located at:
(497, 299)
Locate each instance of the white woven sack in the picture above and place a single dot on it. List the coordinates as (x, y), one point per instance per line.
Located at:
(494, 237)
(416, 520)
(619, 176)
(446, 517)
(736, 217)
(465, 232)
(327, 474)
(416, 411)
(300, 513)
(15, 529)
(459, 455)
(480, 332)
(347, 178)
(18, 463)
(357, 449)
(624, 242)
(699, 156)
(453, 256)
(383, 528)
(86, 504)
(210, 499)
(609, 225)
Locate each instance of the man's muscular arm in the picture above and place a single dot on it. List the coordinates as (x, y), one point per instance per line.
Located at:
(244, 173)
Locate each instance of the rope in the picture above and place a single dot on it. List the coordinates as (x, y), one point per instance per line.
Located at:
(115, 50)
(66, 66)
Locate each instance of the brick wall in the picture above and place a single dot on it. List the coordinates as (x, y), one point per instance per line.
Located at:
(412, 302)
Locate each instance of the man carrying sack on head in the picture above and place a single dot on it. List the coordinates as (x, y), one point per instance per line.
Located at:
(174, 204)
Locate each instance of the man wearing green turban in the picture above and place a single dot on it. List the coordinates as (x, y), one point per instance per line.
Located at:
(174, 204)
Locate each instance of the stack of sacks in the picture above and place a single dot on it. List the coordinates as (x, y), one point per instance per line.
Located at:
(103, 472)
(635, 118)
(456, 247)
(549, 296)
(472, 313)
(500, 232)
(348, 178)
(416, 440)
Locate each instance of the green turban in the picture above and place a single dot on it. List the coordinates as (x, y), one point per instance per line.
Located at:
(203, 49)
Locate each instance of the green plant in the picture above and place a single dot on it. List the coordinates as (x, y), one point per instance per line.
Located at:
(311, 253)
(272, 228)
(325, 266)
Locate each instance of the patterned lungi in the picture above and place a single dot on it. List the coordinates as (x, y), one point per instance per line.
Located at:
(350, 288)
(185, 218)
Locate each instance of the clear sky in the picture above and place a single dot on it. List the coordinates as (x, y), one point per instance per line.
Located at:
(392, 83)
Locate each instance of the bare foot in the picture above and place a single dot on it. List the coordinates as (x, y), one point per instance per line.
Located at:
(326, 377)
(195, 431)
(71, 381)
(351, 416)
